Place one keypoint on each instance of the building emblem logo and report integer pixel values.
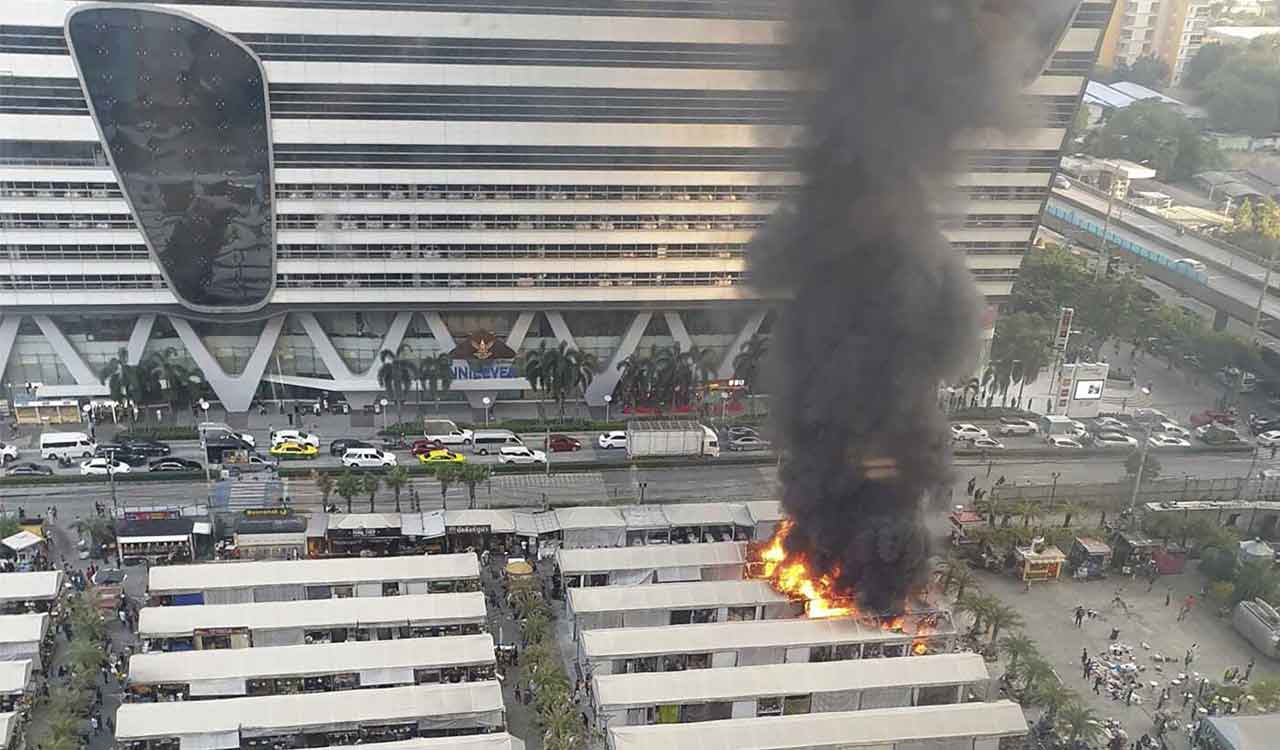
(482, 346)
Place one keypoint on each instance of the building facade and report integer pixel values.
(1170, 30)
(352, 176)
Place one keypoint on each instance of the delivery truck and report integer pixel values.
(663, 437)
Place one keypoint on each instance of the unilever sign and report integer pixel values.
(481, 356)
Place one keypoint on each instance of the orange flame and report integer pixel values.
(790, 574)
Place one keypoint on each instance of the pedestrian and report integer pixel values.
(1128, 696)
(1186, 659)
(1079, 616)
(93, 723)
(1088, 667)
(1273, 451)
(1097, 685)
(973, 482)
(1168, 596)
(1164, 696)
(1084, 656)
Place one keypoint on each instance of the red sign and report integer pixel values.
(1064, 328)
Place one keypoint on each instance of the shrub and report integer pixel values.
(160, 432)
(1218, 563)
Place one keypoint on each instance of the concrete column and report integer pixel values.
(748, 330)
(607, 380)
(83, 374)
(678, 331)
(519, 330)
(8, 336)
(440, 331)
(234, 391)
(138, 337)
(561, 329)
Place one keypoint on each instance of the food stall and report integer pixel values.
(1132, 550)
(1089, 557)
(1038, 562)
(964, 521)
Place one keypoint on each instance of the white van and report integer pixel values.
(55, 445)
(445, 431)
(367, 458)
(485, 442)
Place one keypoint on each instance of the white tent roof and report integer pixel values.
(534, 524)
(22, 540)
(672, 596)
(23, 628)
(708, 514)
(743, 683)
(25, 587)
(168, 579)
(764, 510)
(498, 521)
(589, 517)
(728, 636)
(285, 712)
(501, 741)
(639, 517)
(428, 525)
(8, 722)
(877, 728)
(14, 676)
(309, 659)
(435, 609)
(364, 520)
(601, 559)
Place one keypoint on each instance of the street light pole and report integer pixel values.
(1137, 479)
(608, 399)
(1103, 257)
(486, 401)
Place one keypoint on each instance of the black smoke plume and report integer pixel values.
(880, 309)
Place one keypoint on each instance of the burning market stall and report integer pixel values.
(676, 604)
(766, 514)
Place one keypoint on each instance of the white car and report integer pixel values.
(1269, 439)
(367, 458)
(1014, 426)
(967, 432)
(102, 466)
(988, 444)
(1114, 440)
(1062, 441)
(1173, 428)
(295, 436)
(520, 454)
(1109, 423)
(8, 452)
(1170, 441)
(612, 439)
(1078, 430)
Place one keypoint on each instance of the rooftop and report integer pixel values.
(342, 570)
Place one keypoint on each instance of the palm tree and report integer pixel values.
(396, 376)
(173, 377)
(989, 506)
(1069, 509)
(324, 482)
(370, 483)
(948, 568)
(446, 475)
(396, 479)
(1052, 695)
(977, 604)
(435, 375)
(558, 371)
(748, 361)
(1079, 723)
(1266, 694)
(473, 475)
(127, 383)
(1002, 616)
(637, 382)
(1028, 511)
(1018, 648)
(963, 578)
(348, 486)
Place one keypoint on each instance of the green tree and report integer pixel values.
(1207, 61)
(637, 382)
(1151, 467)
(473, 475)
(1028, 511)
(1148, 70)
(447, 474)
(1218, 563)
(435, 376)
(1000, 617)
(1266, 694)
(127, 383)
(396, 376)
(370, 483)
(348, 486)
(1241, 96)
(558, 371)
(1256, 580)
(172, 377)
(324, 482)
(1017, 648)
(1155, 133)
(1069, 510)
(1020, 349)
(396, 480)
(1080, 724)
(748, 361)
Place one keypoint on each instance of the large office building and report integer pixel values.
(278, 190)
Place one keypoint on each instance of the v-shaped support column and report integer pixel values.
(83, 374)
(606, 381)
(234, 391)
(8, 336)
(334, 362)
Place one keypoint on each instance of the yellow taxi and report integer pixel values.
(441, 455)
(290, 449)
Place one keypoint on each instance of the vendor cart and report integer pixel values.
(1089, 557)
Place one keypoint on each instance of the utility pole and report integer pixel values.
(1137, 479)
(1103, 255)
